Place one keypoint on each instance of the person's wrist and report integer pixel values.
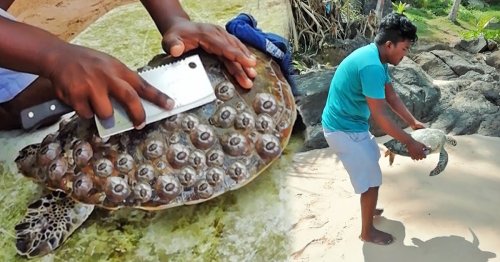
(171, 21)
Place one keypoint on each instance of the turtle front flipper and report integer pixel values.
(443, 161)
(48, 222)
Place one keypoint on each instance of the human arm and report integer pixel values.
(83, 78)
(5, 4)
(379, 112)
(397, 105)
(181, 35)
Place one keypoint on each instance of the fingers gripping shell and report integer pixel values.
(184, 159)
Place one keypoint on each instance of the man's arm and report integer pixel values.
(379, 112)
(83, 78)
(26, 48)
(165, 13)
(181, 35)
(397, 105)
(5, 4)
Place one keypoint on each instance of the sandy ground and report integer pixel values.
(451, 217)
(64, 18)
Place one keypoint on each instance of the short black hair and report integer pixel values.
(396, 28)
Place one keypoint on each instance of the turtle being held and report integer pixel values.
(185, 159)
(435, 139)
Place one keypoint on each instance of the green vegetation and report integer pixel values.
(431, 18)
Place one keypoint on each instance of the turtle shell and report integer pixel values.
(184, 159)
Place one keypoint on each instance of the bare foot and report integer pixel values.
(378, 212)
(378, 237)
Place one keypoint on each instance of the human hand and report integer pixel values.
(416, 150)
(417, 125)
(185, 35)
(85, 79)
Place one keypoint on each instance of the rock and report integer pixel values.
(493, 59)
(416, 90)
(313, 88)
(474, 46)
(492, 45)
(447, 65)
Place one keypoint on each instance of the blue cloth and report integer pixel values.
(359, 75)
(244, 27)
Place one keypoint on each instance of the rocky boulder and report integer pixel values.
(447, 89)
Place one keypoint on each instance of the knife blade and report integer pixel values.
(184, 80)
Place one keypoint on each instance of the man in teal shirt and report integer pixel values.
(361, 86)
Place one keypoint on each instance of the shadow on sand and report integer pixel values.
(438, 249)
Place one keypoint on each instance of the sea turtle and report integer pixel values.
(435, 139)
(185, 159)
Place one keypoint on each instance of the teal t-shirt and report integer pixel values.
(361, 74)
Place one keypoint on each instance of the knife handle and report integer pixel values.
(32, 116)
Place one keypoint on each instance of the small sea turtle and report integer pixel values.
(433, 138)
(185, 159)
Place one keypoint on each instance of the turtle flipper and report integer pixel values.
(391, 156)
(49, 221)
(451, 141)
(443, 161)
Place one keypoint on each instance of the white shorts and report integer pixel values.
(359, 153)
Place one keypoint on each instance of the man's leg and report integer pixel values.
(368, 232)
(36, 93)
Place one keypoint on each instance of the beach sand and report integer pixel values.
(451, 217)
(64, 18)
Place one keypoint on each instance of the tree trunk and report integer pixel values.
(379, 10)
(454, 11)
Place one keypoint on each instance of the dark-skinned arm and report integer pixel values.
(398, 107)
(83, 78)
(5, 4)
(180, 35)
(379, 111)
